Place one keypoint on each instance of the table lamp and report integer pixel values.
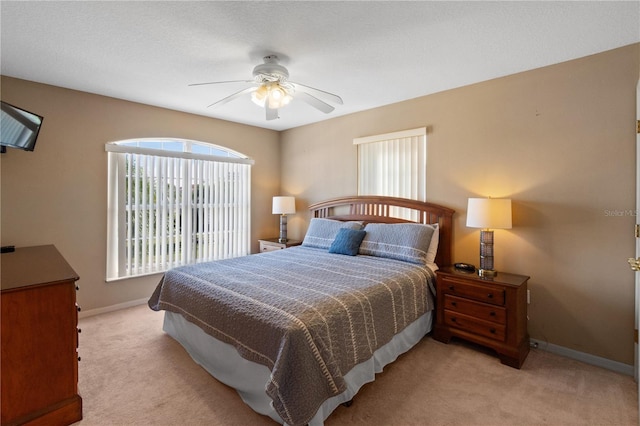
(283, 206)
(488, 214)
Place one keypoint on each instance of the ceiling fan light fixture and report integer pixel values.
(260, 95)
(272, 94)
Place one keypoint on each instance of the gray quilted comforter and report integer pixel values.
(308, 315)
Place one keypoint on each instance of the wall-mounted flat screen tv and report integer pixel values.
(18, 128)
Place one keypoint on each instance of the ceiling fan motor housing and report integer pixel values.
(271, 70)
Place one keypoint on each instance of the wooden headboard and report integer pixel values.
(378, 209)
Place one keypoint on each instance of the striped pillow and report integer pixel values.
(401, 241)
(322, 232)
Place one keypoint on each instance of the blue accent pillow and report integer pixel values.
(347, 241)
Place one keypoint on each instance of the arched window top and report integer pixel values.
(178, 148)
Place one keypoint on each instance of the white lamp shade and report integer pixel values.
(284, 205)
(489, 213)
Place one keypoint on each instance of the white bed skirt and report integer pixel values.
(224, 363)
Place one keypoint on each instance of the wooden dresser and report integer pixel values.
(39, 338)
(489, 311)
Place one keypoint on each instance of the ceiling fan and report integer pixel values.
(272, 90)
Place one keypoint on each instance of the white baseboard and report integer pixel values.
(616, 366)
(130, 304)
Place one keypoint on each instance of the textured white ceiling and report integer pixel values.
(369, 53)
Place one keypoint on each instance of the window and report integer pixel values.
(394, 164)
(174, 202)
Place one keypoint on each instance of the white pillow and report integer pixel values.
(433, 245)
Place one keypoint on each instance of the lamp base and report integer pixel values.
(487, 272)
(283, 229)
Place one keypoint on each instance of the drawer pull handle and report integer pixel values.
(79, 359)
(79, 330)
(492, 314)
(78, 308)
(452, 288)
(453, 320)
(492, 330)
(454, 304)
(490, 295)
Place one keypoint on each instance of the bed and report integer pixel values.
(297, 332)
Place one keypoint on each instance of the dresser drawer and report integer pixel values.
(475, 325)
(483, 293)
(479, 310)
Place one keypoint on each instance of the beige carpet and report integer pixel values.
(132, 373)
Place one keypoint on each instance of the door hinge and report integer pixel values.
(638, 126)
(637, 230)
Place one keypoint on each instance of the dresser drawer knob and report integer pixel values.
(490, 295)
(452, 288)
(79, 359)
(454, 320)
(492, 330)
(79, 330)
(78, 308)
(492, 314)
(454, 303)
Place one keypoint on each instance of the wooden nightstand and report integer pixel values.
(271, 244)
(490, 311)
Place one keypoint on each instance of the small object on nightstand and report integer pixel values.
(488, 311)
(271, 244)
(466, 267)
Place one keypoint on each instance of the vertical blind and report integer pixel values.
(393, 164)
(167, 210)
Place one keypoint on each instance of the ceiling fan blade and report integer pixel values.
(221, 82)
(232, 96)
(272, 113)
(314, 102)
(317, 93)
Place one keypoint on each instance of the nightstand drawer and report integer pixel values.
(273, 244)
(270, 247)
(475, 325)
(483, 293)
(476, 309)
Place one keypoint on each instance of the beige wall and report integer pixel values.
(559, 141)
(58, 193)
